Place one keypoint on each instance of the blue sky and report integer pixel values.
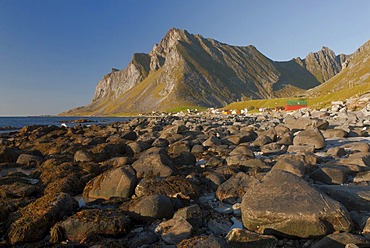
(53, 52)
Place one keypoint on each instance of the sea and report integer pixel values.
(15, 123)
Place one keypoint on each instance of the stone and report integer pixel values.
(174, 230)
(36, 218)
(196, 149)
(173, 187)
(301, 149)
(242, 150)
(339, 240)
(212, 141)
(357, 147)
(30, 160)
(203, 241)
(153, 207)
(153, 164)
(91, 222)
(83, 156)
(262, 140)
(193, 214)
(334, 133)
(329, 175)
(310, 137)
(354, 198)
(362, 177)
(336, 152)
(362, 220)
(234, 188)
(238, 237)
(359, 158)
(291, 164)
(119, 182)
(267, 211)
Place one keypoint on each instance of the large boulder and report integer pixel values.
(153, 165)
(286, 204)
(310, 137)
(119, 182)
(36, 218)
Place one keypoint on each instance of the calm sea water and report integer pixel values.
(19, 122)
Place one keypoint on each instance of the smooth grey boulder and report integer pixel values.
(310, 137)
(153, 165)
(271, 207)
(153, 207)
(119, 182)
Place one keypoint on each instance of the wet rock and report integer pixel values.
(173, 187)
(119, 182)
(29, 160)
(310, 137)
(91, 222)
(269, 211)
(340, 240)
(154, 164)
(36, 218)
(174, 230)
(238, 237)
(18, 190)
(235, 187)
(153, 207)
(203, 241)
(354, 198)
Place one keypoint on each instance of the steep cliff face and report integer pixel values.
(189, 70)
(323, 64)
(355, 72)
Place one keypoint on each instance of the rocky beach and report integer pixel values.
(279, 179)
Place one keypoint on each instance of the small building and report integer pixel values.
(295, 104)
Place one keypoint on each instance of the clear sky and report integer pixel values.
(53, 52)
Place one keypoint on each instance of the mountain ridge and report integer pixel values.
(190, 70)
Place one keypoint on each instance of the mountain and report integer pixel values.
(186, 70)
(353, 78)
